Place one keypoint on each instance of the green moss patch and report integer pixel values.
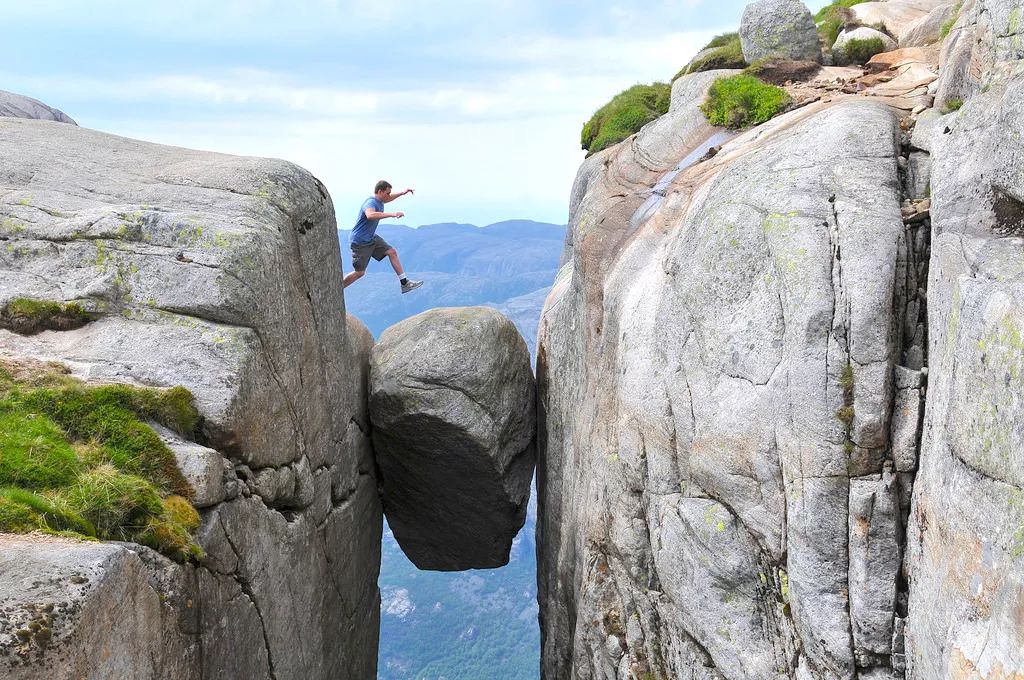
(724, 51)
(28, 316)
(743, 100)
(952, 105)
(831, 18)
(624, 115)
(860, 51)
(80, 459)
(949, 23)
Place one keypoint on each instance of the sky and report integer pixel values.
(476, 106)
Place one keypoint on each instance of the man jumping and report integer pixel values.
(366, 243)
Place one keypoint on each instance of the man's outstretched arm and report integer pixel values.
(392, 197)
(372, 214)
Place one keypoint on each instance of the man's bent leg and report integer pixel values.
(407, 284)
(396, 264)
(351, 278)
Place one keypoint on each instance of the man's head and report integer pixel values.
(382, 189)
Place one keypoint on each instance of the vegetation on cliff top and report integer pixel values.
(624, 115)
(724, 51)
(28, 315)
(79, 460)
(742, 100)
(830, 19)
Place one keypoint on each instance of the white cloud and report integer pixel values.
(488, 129)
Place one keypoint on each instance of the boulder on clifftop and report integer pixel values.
(19, 106)
(782, 29)
(453, 412)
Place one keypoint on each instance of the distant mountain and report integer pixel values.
(461, 265)
(479, 624)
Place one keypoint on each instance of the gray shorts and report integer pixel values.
(361, 252)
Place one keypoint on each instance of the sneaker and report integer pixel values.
(411, 285)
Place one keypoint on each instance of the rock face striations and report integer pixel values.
(221, 274)
(733, 369)
(452, 406)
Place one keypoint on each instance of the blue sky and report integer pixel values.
(478, 106)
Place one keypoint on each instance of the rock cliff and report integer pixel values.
(735, 361)
(223, 275)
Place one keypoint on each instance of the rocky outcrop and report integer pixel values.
(71, 609)
(967, 526)
(927, 30)
(986, 38)
(19, 106)
(452, 406)
(779, 384)
(715, 376)
(895, 17)
(780, 29)
(221, 274)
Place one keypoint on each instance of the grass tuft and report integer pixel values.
(845, 415)
(35, 453)
(79, 459)
(624, 115)
(952, 105)
(860, 51)
(743, 100)
(28, 316)
(726, 52)
(831, 18)
(22, 510)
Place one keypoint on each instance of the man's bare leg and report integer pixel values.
(396, 264)
(351, 278)
(407, 284)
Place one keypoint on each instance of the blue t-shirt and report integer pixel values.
(365, 228)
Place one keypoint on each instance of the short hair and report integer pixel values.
(381, 186)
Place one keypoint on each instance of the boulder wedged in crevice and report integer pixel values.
(453, 413)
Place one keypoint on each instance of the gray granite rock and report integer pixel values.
(782, 29)
(75, 609)
(895, 17)
(19, 106)
(986, 39)
(210, 475)
(695, 474)
(875, 559)
(919, 177)
(222, 274)
(929, 123)
(965, 538)
(906, 428)
(928, 29)
(454, 421)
